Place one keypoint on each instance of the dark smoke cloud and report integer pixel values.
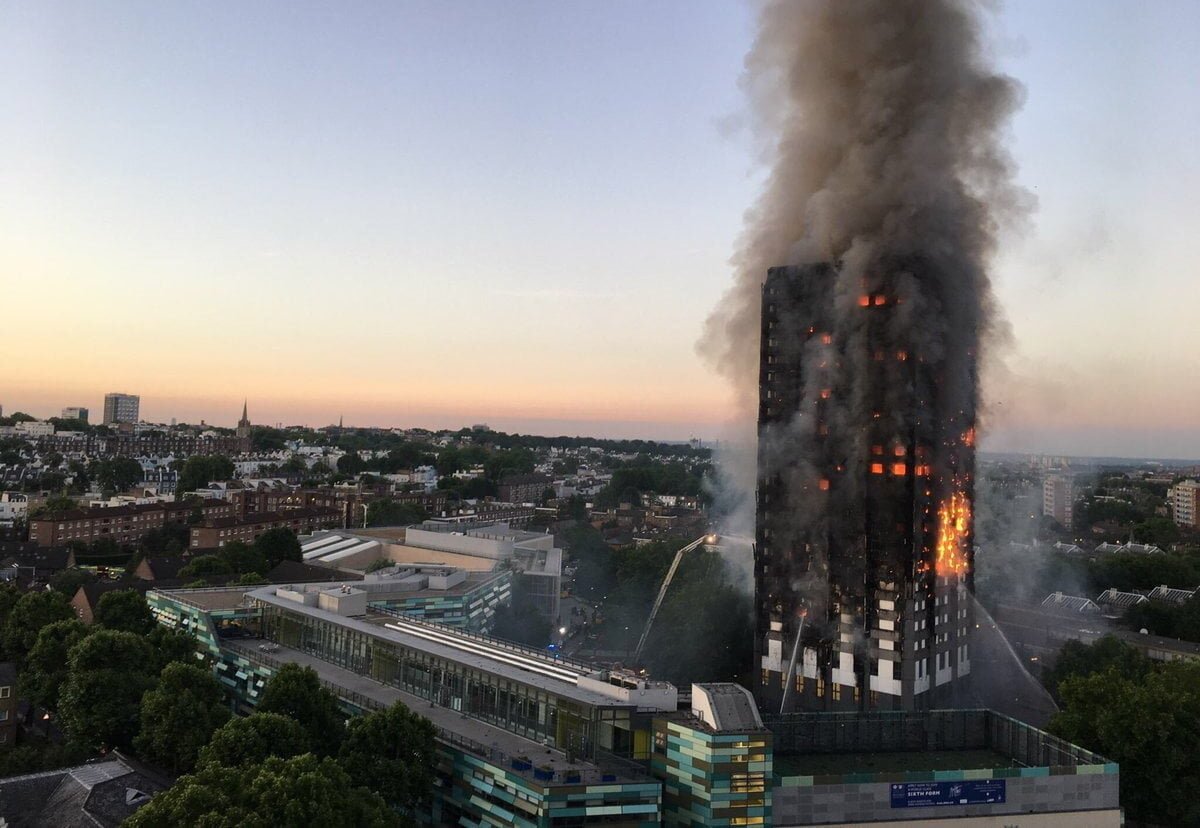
(881, 124)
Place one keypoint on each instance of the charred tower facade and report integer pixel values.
(863, 553)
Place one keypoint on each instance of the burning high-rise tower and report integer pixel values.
(863, 541)
(881, 122)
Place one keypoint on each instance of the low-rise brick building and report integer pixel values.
(123, 524)
(213, 534)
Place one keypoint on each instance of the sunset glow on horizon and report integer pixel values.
(396, 215)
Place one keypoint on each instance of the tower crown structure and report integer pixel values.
(863, 548)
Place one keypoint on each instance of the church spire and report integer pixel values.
(243, 426)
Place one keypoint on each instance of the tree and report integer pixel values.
(242, 558)
(294, 465)
(170, 646)
(206, 566)
(278, 544)
(179, 716)
(107, 673)
(577, 508)
(52, 481)
(117, 474)
(53, 507)
(46, 666)
(351, 464)
(1077, 659)
(1161, 531)
(448, 462)
(9, 596)
(1151, 726)
(385, 512)
(69, 581)
(199, 470)
(392, 752)
(171, 538)
(250, 741)
(302, 790)
(478, 487)
(265, 439)
(33, 611)
(105, 548)
(124, 609)
(516, 461)
(70, 424)
(80, 479)
(297, 692)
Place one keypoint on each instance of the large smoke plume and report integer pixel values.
(881, 125)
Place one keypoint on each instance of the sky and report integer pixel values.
(442, 213)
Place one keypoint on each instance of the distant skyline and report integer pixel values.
(434, 214)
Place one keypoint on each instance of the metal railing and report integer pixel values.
(931, 730)
(608, 769)
(174, 595)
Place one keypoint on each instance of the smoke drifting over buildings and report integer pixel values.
(888, 184)
(881, 124)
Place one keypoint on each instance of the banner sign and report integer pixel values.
(969, 792)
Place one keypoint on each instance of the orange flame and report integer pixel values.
(954, 523)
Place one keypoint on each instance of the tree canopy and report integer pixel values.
(302, 790)
(68, 581)
(392, 752)
(31, 612)
(278, 544)
(116, 474)
(251, 740)
(107, 673)
(297, 692)
(179, 716)
(124, 609)
(386, 512)
(201, 469)
(46, 665)
(1150, 724)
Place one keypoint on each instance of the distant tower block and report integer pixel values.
(863, 541)
(121, 408)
